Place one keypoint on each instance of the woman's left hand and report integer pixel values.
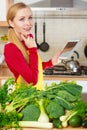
(55, 59)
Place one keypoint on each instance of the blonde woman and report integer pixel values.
(21, 53)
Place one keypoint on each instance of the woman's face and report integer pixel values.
(23, 23)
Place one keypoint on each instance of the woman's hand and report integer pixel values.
(55, 59)
(29, 41)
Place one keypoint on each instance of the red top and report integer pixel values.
(18, 65)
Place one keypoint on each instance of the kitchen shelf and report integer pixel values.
(3, 24)
(1, 41)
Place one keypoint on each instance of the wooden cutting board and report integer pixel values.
(68, 128)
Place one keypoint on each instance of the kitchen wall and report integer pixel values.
(58, 32)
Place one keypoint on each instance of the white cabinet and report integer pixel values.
(4, 5)
(3, 10)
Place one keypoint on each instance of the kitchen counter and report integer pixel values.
(50, 78)
(5, 73)
(65, 77)
(68, 128)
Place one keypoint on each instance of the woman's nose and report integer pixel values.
(29, 22)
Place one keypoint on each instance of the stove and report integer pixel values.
(61, 70)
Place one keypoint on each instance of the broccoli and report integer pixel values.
(31, 112)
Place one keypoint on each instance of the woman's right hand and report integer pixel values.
(29, 41)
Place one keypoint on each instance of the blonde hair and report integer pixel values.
(12, 37)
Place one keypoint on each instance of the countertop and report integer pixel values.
(65, 77)
(68, 128)
(6, 73)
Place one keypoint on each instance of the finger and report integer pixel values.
(59, 52)
(23, 37)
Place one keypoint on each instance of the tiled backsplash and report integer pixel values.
(58, 33)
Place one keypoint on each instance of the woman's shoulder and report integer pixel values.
(11, 48)
(10, 45)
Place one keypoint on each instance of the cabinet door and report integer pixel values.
(3, 10)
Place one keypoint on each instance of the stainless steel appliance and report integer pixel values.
(73, 60)
(77, 49)
(62, 70)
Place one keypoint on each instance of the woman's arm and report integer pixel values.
(47, 64)
(18, 65)
(52, 62)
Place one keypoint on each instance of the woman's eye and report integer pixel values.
(21, 19)
(30, 18)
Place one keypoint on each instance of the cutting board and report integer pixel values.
(68, 128)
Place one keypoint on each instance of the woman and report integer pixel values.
(21, 54)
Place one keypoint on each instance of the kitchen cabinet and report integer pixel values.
(3, 9)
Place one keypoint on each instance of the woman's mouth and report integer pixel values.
(27, 29)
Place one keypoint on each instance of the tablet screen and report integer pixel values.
(67, 49)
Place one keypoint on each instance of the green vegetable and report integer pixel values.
(20, 97)
(21, 106)
(67, 96)
(9, 119)
(57, 123)
(20, 116)
(80, 108)
(74, 89)
(31, 112)
(35, 124)
(3, 98)
(84, 123)
(54, 110)
(64, 103)
(43, 115)
(75, 121)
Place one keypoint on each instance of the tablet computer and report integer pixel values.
(68, 50)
